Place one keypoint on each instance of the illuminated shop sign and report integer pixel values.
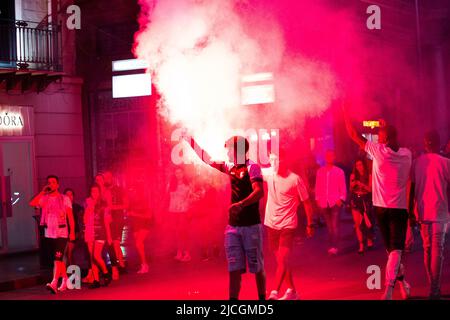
(16, 121)
(257, 88)
(11, 120)
(130, 78)
(371, 124)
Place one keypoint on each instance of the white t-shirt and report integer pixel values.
(330, 186)
(179, 198)
(284, 196)
(54, 215)
(390, 175)
(431, 175)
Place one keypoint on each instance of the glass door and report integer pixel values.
(18, 227)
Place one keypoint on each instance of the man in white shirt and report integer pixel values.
(57, 219)
(390, 175)
(431, 177)
(331, 193)
(285, 191)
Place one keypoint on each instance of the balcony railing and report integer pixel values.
(26, 45)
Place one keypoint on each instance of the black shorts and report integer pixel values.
(57, 247)
(280, 238)
(117, 225)
(362, 203)
(393, 224)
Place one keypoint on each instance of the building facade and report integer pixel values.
(41, 131)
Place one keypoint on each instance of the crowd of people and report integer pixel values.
(95, 228)
(393, 193)
(389, 191)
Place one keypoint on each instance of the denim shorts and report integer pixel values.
(243, 246)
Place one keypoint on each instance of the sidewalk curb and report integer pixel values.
(23, 283)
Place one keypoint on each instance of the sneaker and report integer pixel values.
(273, 295)
(405, 289)
(333, 251)
(290, 295)
(52, 287)
(143, 269)
(94, 285)
(63, 286)
(115, 273)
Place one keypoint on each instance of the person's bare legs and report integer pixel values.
(95, 273)
(98, 247)
(289, 279)
(392, 269)
(70, 247)
(260, 278)
(63, 272)
(357, 219)
(56, 272)
(90, 276)
(283, 270)
(140, 237)
(119, 253)
(234, 284)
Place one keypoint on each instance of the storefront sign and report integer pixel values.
(15, 121)
(11, 121)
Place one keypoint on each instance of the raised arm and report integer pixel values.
(353, 134)
(202, 154)
(37, 198)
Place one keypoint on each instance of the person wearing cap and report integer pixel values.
(243, 234)
(430, 180)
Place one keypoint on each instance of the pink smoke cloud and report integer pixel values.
(198, 52)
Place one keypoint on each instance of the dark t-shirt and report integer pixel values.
(241, 178)
(78, 212)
